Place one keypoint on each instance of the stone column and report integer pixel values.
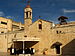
(9, 25)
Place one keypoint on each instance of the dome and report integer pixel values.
(28, 6)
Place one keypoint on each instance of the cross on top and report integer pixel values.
(28, 2)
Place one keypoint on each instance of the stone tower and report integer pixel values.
(27, 17)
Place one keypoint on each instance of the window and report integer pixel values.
(15, 26)
(57, 32)
(3, 23)
(40, 25)
(26, 14)
(2, 32)
(30, 13)
(25, 36)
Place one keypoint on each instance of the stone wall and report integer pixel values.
(64, 34)
(48, 36)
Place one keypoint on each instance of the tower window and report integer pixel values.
(27, 14)
(30, 13)
(60, 32)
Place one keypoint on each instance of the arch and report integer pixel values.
(57, 45)
(40, 22)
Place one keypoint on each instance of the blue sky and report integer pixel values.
(47, 9)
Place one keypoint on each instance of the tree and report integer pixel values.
(62, 20)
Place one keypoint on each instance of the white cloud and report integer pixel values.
(10, 17)
(68, 11)
(1, 13)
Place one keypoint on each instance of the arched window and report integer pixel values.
(26, 14)
(40, 25)
(30, 13)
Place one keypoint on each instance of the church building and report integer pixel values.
(40, 37)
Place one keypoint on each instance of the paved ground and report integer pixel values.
(5, 54)
(40, 55)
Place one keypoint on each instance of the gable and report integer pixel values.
(40, 25)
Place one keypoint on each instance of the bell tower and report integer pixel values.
(27, 16)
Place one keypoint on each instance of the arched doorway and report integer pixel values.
(57, 45)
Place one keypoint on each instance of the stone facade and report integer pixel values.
(40, 35)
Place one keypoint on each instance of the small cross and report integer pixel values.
(28, 2)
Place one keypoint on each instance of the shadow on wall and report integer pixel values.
(69, 49)
(29, 44)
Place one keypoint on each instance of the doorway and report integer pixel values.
(19, 47)
(57, 47)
